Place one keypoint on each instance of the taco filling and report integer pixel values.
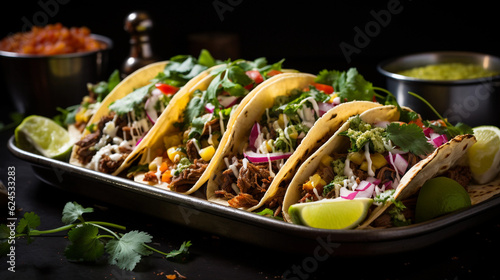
(189, 149)
(378, 157)
(271, 142)
(115, 136)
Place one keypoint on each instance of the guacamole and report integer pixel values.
(449, 72)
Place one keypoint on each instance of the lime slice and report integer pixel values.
(43, 135)
(331, 213)
(484, 155)
(439, 196)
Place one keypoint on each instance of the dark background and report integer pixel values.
(308, 34)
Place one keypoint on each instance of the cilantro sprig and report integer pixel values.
(350, 85)
(91, 240)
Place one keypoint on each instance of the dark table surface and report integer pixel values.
(469, 254)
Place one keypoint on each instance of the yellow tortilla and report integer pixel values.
(436, 163)
(137, 79)
(322, 130)
(167, 123)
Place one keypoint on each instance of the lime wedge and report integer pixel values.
(439, 196)
(484, 155)
(331, 213)
(43, 135)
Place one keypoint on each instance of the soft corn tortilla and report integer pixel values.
(175, 115)
(438, 162)
(137, 79)
(322, 130)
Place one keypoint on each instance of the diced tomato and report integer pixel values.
(255, 76)
(324, 88)
(273, 73)
(163, 166)
(166, 88)
(166, 176)
(418, 122)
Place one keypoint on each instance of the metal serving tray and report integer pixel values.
(196, 212)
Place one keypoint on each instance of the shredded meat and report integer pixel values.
(243, 200)
(107, 165)
(150, 177)
(361, 174)
(386, 174)
(252, 183)
(211, 126)
(86, 150)
(191, 150)
(189, 176)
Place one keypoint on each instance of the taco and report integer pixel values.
(181, 153)
(282, 125)
(130, 110)
(76, 117)
(386, 154)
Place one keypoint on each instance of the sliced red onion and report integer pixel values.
(336, 100)
(256, 157)
(324, 107)
(428, 131)
(398, 162)
(227, 101)
(388, 185)
(254, 135)
(209, 107)
(149, 107)
(373, 180)
(382, 124)
(348, 194)
(365, 189)
(437, 139)
(138, 141)
(156, 91)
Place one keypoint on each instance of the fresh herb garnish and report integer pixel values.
(409, 138)
(451, 130)
(350, 85)
(131, 101)
(267, 212)
(90, 240)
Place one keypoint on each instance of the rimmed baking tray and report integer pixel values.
(196, 212)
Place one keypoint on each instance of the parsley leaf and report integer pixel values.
(73, 211)
(85, 244)
(352, 86)
(124, 250)
(409, 138)
(131, 101)
(28, 223)
(127, 251)
(181, 253)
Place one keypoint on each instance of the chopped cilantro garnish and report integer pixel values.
(409, 138)
(89, 241)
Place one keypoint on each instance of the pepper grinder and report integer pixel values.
(138, 24)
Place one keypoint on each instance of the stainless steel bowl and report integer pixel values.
(38, 84)
(472, 101)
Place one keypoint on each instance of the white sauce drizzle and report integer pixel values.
(369, 160)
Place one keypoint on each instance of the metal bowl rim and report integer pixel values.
(104, 39)
(380, 68)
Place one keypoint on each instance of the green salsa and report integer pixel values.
(449, 71)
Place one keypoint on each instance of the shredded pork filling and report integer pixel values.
(244, 186)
